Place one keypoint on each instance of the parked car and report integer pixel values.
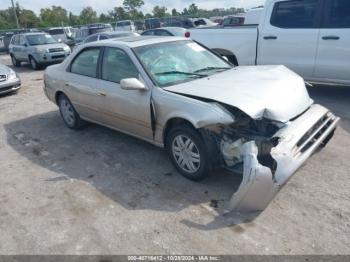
(9, 80)
(106, 35)
(175, 21)
(152, 23)
(37, 49)
(310, 37)
(167, 31)
(83, 32)
(126, 25)
(203, 22)
(62, 34)
(177, 94)
(232, 20)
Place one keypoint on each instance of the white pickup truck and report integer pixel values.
(311, 37)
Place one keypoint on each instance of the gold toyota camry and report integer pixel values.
(178, 94)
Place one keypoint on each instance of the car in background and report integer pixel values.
(232, 20)
(106, 35)
(37, 49)
(81, 33)
(152, 23)
(203, 22)
(62, 34)
(126, 25)
(176, 21)
(9, 80)
(167, 31)
(207, 114)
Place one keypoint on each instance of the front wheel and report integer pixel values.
(188, 153)
(70, 117)
(34, 64)
(15, 62)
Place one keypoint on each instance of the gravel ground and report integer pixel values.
(97, 191)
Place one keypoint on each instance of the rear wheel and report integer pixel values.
(188, 152)
(70, 117)
(15, 62)
(34, 64)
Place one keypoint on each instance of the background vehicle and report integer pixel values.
(203, 22)
(126, 25)
(311, 37)
(9, 80)
(232, 20)
(108, 35)
(62, 34)
(166, 31)
(83, 32)
(151, 23)
(37, 49)
(176, 21)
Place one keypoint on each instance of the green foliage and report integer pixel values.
(54, 16)
(88, 15)
(160, 11)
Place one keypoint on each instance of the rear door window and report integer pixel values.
(338, 14)
(86, 62)
(296, 14)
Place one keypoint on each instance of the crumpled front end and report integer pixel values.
(269, 162)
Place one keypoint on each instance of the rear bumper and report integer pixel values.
(297, 142)
(10, 86)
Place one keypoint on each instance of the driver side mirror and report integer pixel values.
(132, 84)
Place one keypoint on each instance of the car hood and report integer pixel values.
(272, 92)
(4, 70)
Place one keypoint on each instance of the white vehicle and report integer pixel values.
(252, 17)
(311, 37)
(126, 25)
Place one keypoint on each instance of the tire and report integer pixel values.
(190, 157)
(33, 63)
(69, 115)
(15, 62)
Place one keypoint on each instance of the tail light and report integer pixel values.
(187, 34)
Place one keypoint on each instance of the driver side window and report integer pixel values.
(117, 65)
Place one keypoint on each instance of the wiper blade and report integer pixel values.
(180, 73)
(211, 68)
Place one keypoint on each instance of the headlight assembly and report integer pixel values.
(12, 75)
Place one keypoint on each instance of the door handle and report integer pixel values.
(102, 94)
(270, 37)
(331, 37)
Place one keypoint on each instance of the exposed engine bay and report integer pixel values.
(264, 151)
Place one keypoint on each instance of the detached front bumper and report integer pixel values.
(297, 142)
(10, 86)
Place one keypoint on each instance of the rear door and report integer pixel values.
(333, 56)
(290, 36)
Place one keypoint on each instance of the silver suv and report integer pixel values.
(37, 49)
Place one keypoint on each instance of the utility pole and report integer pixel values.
(15, 14)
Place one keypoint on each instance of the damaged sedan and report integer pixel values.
(208, 114)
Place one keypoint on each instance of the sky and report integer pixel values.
(100, 6)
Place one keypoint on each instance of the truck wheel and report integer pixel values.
(70, 117)
(15, 62)
(34, 64)
(188, 152)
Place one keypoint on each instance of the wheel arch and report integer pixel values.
(173, 122)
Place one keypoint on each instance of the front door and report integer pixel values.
(125, 110)
(290, 37)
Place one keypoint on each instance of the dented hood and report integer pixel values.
(272, 92)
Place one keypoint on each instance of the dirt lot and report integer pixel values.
(97, 191)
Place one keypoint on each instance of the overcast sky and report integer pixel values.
(75, 6)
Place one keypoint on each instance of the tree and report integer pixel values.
(73, 19)
(193, 9)
(54, 16)
(88, 15)
(118, 13)
(159, 11)
(174, 12)
(131, 6)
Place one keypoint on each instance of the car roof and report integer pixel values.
(34, 33)
(136, 41)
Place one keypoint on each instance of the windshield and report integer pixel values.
(42, 39)
(177, 62)
(127, 23)
(56, 32)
